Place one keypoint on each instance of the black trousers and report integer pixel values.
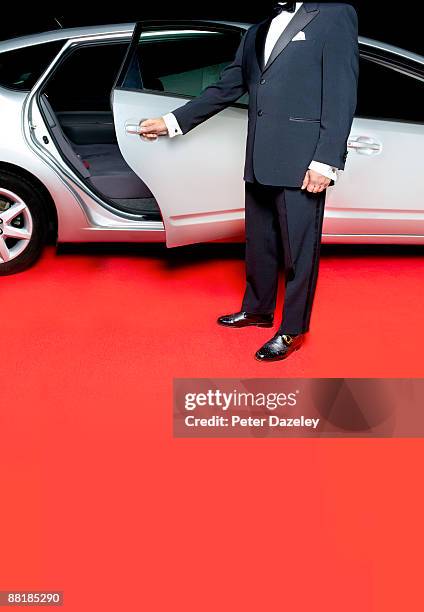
(283, 226)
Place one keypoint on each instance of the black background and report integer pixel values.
(397, 23)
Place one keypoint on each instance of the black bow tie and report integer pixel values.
(290, 7)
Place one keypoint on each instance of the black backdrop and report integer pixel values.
(399, 24)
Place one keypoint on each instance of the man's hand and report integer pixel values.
(315, 182)
(151, 129)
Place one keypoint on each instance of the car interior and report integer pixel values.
(88, 142)
(76, 105)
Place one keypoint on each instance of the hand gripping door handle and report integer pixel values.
(364, 145)
(132, 128)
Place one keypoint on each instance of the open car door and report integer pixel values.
(197, 179)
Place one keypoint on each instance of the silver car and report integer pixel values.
(74, 169)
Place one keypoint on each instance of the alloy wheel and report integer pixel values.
(16, 226)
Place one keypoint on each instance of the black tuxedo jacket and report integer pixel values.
(301, 103)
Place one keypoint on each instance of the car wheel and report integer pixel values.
(23, 224)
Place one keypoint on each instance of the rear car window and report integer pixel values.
(20, 69)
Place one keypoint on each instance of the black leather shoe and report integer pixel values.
(279, 347)
(245, 319)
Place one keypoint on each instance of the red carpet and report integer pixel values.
(99, 501)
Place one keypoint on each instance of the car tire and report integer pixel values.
(20, 249)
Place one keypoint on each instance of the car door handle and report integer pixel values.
(133, 129)
(364, 145)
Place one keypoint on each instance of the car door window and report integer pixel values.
(386, 93)
(184, 63)
(21, 68)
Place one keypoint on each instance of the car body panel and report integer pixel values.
(16, 153)
(196, 206)
(364, 199)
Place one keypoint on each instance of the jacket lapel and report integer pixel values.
(261, 35)
(306, 13)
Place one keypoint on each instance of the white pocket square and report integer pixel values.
(299, 36)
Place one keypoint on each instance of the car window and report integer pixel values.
(185, 63)
(20, 69)
(385, 93)
(85, 78)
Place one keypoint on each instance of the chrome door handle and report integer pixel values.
(364, 145)
(132, 129)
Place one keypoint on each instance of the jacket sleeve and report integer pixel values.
(227, 90)
(340, 85)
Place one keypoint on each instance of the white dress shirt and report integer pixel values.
(278, 25)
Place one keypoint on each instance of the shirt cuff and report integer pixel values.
(172, 125)
(324, 169)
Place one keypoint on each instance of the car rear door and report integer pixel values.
(380, 191)
(197, 179)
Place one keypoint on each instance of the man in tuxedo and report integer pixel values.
(300, 68)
